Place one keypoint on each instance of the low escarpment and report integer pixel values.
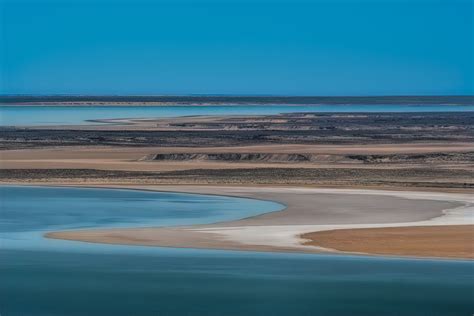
(233, 157)
(466, 157)
(463, 157)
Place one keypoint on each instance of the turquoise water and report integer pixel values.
(51, 277)
(28, 212)
(51, 115)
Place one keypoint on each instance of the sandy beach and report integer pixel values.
(310, 210)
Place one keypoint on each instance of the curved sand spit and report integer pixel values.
(308, 210)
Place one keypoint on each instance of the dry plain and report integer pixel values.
(382, 172)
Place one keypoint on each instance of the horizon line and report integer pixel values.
(233, 95)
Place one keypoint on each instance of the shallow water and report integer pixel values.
(28, 212)
(51, 277)
(52, 115)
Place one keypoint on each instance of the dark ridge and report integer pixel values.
(415, 158)
(412, 177)
(369, 128)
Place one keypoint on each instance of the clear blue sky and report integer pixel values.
(383, 47)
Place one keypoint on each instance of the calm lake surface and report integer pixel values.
(52, 277)
(52, 115)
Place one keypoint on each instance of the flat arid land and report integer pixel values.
(344, 178)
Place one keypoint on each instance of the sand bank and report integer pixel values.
(308, 210)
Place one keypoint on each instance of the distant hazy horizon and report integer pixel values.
(229, 95)
(243, 95)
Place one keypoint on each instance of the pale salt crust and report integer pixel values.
(288, 236)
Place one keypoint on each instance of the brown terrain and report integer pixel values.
(456, 241)
(422, 151)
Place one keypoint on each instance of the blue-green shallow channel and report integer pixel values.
(51, 115)
(51, 277)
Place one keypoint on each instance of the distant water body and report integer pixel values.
(52, 277)
(59, 115)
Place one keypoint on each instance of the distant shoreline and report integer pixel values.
(231, 100)
(164, 104)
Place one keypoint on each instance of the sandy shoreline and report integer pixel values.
(308, 210)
